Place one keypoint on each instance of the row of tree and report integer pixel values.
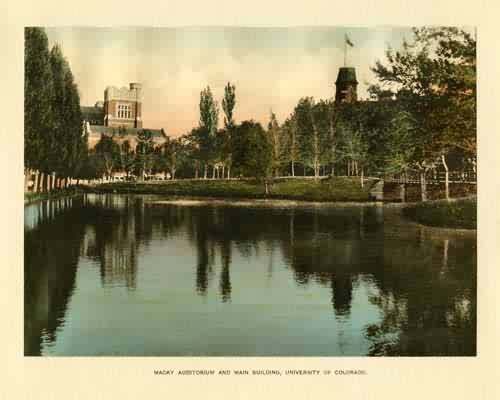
(55, 146)
(421, 116)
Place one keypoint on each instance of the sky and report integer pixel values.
(272, 68)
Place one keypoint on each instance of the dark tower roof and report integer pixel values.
(346, 75)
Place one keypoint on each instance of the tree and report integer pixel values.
(290, 148)
(144, 152)
(173, 151)
(352, 127)
(313, 123)
(434, 78)
(127, 157)
(274, 131)
(68, 129)
(109, 152)
(38, 102)
(209, 120)
(228, 103)
(252, 152)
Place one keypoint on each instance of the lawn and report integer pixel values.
(330, 189)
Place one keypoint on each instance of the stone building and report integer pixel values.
(123, 107)
(118, 116)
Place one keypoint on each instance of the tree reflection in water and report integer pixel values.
(422, 281)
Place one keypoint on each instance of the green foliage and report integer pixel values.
(275, 137)
(228, 103)
(332, 189)
(54, 138)
(38, 100)
(209, 111)
(127, 157)
(144, 152)
(434, 79)
(446, 214)
(252, 151)
(174, 154)
(108, 152)
(71, 147)
(290, 145)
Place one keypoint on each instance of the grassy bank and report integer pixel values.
(331, 189)
(454, 214)
(30, 198)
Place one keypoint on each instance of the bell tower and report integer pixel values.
(346, 85)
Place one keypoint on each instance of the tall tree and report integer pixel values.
(126, 157)
(290, 144)
(209, 120)
(38, 102)
(144, 152)
(109, 152)
(173, 151)
(252, 155)
(312, 128)
(434, 77)
(274, 131)
(68, 129)
(228, 104)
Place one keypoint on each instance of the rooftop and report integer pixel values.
(346, 75)
(111, 130)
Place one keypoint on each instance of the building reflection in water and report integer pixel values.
(427, 306)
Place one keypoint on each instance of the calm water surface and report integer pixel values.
(123, 275)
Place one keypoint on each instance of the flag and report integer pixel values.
(348, 41)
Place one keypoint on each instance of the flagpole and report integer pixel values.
(345, 51)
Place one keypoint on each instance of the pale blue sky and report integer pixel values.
(272, 68)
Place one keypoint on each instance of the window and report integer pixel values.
(124, 111)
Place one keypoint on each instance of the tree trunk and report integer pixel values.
(266, 186)
(173, 174)
(205, 171)
(293, 168)
(26, 179)
(423, 185)
(445, 254)
(446, 178)
(229, 172)
(196, 173)
(40, 183)
(223, 171)
(36, 181)
(362, 178)
(213, 172)
(53, 181)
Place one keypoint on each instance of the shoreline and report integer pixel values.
(56, 194)
(438, 214)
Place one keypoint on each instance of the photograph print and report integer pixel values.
(243, 191)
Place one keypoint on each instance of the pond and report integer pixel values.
(118, 275)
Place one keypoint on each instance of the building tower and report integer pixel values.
(123, 107)
(346, 85)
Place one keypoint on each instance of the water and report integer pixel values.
(131, 276)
